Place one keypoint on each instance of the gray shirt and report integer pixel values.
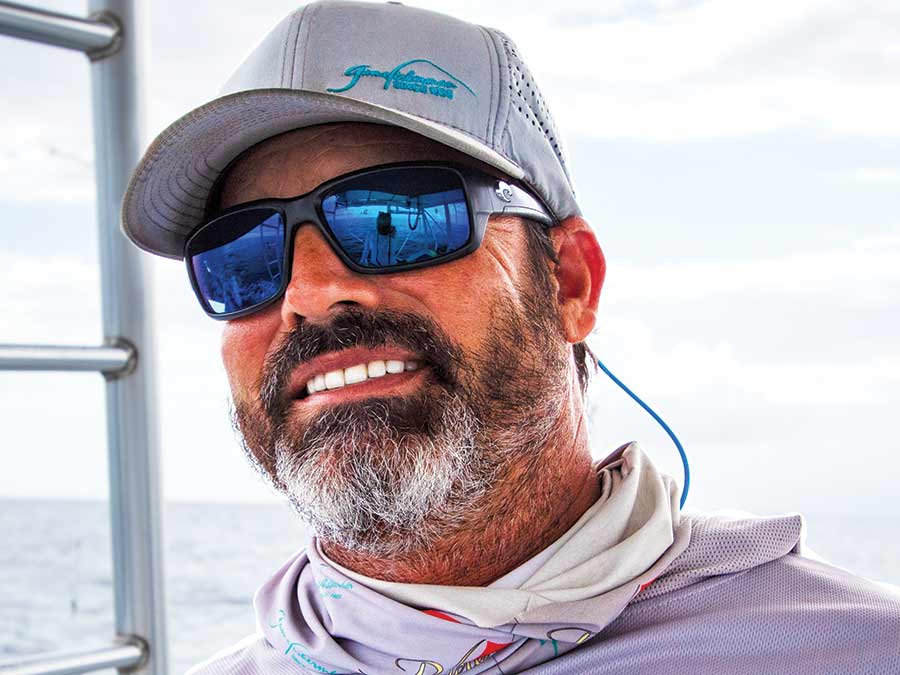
(739, 599)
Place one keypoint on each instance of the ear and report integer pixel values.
(580, 275)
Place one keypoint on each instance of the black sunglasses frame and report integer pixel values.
(485, 195)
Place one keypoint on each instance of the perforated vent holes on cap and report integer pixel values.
(526, 100)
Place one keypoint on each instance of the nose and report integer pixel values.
(320, 282)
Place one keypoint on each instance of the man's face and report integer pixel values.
(391, 464)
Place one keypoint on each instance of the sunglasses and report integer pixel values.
(381, 220)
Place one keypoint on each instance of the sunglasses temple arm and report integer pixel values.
(532, 214)
(512, 200)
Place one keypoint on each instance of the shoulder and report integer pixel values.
(250, 656)
(852, 609)
(791, 588)
(743, 596)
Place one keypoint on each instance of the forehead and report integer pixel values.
(295, 162)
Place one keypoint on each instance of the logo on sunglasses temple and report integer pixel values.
(504, 191)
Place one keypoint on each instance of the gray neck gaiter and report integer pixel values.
(329, 619)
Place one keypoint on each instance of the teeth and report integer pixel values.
(334, 379)
(355, 374)
(358, 373)
(376, 368)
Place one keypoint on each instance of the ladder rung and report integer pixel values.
(45, 357)
(121, 655)
(54, 28)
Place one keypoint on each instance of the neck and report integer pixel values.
(529, 509)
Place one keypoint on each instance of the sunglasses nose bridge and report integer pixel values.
(298, 214)
(319, 280)
(301, 212)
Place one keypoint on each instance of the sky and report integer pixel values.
(739, 162)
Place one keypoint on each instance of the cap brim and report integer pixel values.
(168, 191)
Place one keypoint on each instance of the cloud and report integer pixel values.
(879, 175)
(39, 165)
(866, 271)
(691, 369)
(720, 69)
(764, 434)
(49, 299)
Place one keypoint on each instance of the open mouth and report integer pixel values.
(374, 376)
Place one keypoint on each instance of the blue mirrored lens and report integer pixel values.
(238, 259)
(399, 216)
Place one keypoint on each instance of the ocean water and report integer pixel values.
(56, 581)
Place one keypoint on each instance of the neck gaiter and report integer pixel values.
(329, 619)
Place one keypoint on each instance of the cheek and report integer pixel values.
(244, 346)
(457, 296)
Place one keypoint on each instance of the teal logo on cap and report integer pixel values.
(409, 80)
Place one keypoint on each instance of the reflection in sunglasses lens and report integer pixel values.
(247, 270)
(399, 216)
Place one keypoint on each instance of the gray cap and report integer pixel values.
(458, 83)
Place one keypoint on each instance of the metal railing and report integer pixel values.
(110, 38)
(127, 654)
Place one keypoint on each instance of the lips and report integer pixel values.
(344, 359)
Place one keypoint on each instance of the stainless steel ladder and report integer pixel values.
(111, 38)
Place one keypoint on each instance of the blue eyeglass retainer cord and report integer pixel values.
(684, 459)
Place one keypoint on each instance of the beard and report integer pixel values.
(391, 475)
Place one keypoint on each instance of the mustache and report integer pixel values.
(358, 327)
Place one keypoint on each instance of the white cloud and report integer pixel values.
(28, 274)
(36, 164)
(718, 69)
(880, 175)
(867, 271)
(695, 368)
(766, 434)
(49, 299)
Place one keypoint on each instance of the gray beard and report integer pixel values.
(387, 477)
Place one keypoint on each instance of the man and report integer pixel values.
(379, 207)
